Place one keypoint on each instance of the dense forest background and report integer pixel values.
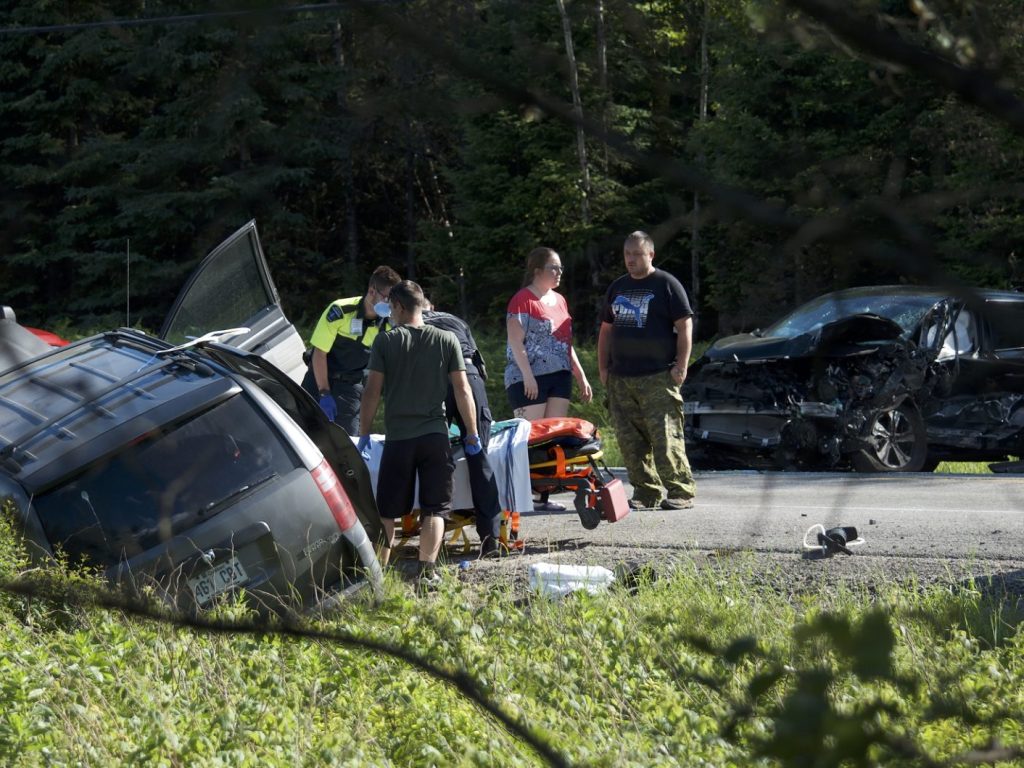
(771, 158)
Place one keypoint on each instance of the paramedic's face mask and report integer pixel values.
(382, 308)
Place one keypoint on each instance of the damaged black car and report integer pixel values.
(877, 379)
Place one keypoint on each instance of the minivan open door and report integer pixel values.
(232, 288)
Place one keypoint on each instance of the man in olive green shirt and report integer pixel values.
(411, 365)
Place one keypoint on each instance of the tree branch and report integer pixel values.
(975, 86)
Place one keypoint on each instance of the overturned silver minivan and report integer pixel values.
(193, 462)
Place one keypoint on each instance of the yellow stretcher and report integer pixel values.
(565, 455)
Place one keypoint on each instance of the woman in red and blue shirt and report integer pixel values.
(541, 359)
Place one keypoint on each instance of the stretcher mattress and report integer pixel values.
(509, 457)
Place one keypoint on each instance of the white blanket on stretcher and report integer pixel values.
(509, 457)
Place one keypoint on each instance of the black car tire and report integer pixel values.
(898, 442)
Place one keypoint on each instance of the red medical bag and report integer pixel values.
(612, 498)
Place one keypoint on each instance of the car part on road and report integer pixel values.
(832, 540)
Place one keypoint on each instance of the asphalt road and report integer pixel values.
(926, 526)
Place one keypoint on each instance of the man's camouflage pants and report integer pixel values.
(647, 413)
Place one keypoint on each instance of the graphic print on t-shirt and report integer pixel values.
(545, 347)
(630, 308)
(547, 329)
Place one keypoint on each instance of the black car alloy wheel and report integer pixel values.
(896, 442)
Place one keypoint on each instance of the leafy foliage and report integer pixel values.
(126, 153)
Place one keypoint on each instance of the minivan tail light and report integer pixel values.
(335, 496)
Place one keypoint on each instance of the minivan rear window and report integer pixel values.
(164, 484)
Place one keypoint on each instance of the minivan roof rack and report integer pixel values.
(10, 450)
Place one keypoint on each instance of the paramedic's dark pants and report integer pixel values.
(481, 477)
(347, 395)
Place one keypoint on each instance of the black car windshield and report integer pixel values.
(906, 311)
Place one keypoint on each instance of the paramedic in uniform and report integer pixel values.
(341, 345)
(482, 485)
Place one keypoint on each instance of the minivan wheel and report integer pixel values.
(896, 442)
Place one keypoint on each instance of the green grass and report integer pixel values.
(703, 667)
(968, 467)
(964, 468)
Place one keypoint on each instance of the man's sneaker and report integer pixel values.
(429, 578)
(637, 504)
(677, 504)
(491, 549)
(548, 506)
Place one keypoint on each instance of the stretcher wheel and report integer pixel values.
(590, 516)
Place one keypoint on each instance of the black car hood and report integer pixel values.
(834, 339)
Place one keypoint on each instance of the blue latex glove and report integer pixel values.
(329, 406)
(363, 446)
(472, 445)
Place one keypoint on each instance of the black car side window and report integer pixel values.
(1006, 326)
(164, 484)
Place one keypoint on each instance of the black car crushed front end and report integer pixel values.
(818, 400)
(879, 378)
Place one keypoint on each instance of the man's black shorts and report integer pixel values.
(557, 384)
(428, 457)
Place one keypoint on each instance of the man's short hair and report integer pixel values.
(408, 295)
(642, 239)
(384, 278)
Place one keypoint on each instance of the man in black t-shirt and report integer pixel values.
(643, 351)
(482, 484)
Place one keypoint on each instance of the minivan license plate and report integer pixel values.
(220, 578)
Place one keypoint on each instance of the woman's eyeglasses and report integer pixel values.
(554, 268)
